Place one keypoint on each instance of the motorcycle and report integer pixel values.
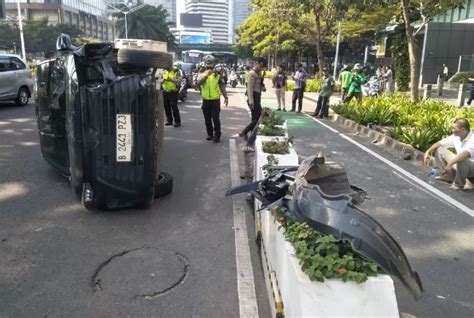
(183, 90)
(372, 88)
(233, 80)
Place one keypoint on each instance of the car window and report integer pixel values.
(56, 77)
(17, 63)
(5, 64)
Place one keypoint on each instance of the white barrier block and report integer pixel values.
(332, 298)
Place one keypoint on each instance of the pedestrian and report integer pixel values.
(255, 87)
(456, 167)
(327, 88)
(300, 85)
(380, 71)
(388, 80)
(171, 80)
(445, 72)
(344, 79)
(471, 94)
(212, 86)
(279, 83)
(356, 80)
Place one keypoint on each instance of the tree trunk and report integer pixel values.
(319, 47)
(411, 50)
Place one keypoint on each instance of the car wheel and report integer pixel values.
(163, 185)
(145, 58)
(22, 97)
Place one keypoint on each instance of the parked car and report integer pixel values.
(101, 122)
(16, 83)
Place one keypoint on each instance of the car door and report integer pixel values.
(51, 112)
(5, 77)
(22, 74)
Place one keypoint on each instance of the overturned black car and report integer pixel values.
(100, 122)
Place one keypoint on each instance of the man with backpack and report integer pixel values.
(327, 87)
(279, 83)
(344, 79)
(300, 85)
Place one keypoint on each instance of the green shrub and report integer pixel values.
(276, 147)
(322, 256)
(312, 85)
(271, 131)
(462, 77)
(418, 124)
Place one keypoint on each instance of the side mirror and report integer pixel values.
(64, 43)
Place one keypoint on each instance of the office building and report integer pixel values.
(90, 16)
(215, 18)
(169, 5)
(241, 10)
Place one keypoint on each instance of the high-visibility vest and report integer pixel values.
(169, 86)
(210, 89)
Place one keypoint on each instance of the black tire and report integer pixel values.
(145, 58)
(22, 97)
(163, 185)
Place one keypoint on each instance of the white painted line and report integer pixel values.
(438, 194)
(245, 282)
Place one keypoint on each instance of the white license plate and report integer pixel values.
(124, 138)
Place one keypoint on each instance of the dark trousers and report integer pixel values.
(298, 94)
(211, 109)
(344, 92)
(349, 97)
(170, 100)
(322, 106)
(256, 112)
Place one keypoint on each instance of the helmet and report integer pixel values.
(357, 67)
(177, 65)
(209, 59)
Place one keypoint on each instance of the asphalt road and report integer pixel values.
(176, 259)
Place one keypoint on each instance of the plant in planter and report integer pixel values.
(321, 256)
(276, 147)
(271, 131)
(271, 119)
(268, 168)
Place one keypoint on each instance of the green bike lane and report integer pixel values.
(435, 235)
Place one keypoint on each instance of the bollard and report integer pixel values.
(440, 85)
(461, 95)
(427, 91)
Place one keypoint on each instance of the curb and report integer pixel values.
(380, 138)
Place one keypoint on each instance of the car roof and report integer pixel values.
(11, 55)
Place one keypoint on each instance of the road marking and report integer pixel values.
(438, 194)
(245, 282)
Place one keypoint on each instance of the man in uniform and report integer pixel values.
(255, 87)
(212, 86)
(171, 79)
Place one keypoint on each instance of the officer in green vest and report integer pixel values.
(171, 79)
(212, 86)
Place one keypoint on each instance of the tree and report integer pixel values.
(420, 11)
(148, 22)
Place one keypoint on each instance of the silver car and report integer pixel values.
(15, 80)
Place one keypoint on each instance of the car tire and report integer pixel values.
(145, 58)
(163, 185)
(22, 97)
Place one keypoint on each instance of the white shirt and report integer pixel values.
(466, 145)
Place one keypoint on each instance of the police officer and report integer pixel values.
(212, 86)
(171, 79)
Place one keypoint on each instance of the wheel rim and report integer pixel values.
(23, 97)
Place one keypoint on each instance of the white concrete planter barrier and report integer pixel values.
(301, 297)
(290, 159)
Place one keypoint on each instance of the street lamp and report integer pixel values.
(125, 13)
(20, 25)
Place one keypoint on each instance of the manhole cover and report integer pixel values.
(143, 272)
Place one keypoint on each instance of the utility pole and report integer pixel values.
(20, 25)
(338, 40)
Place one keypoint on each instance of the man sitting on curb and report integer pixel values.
(456, 168)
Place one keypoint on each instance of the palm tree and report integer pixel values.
(147, 23)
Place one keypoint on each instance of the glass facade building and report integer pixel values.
(90, 16)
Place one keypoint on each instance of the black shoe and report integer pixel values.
(216, 139)
(292, 110)
(169, 124)
(210, 137)
(177, 125)
(314, 115)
